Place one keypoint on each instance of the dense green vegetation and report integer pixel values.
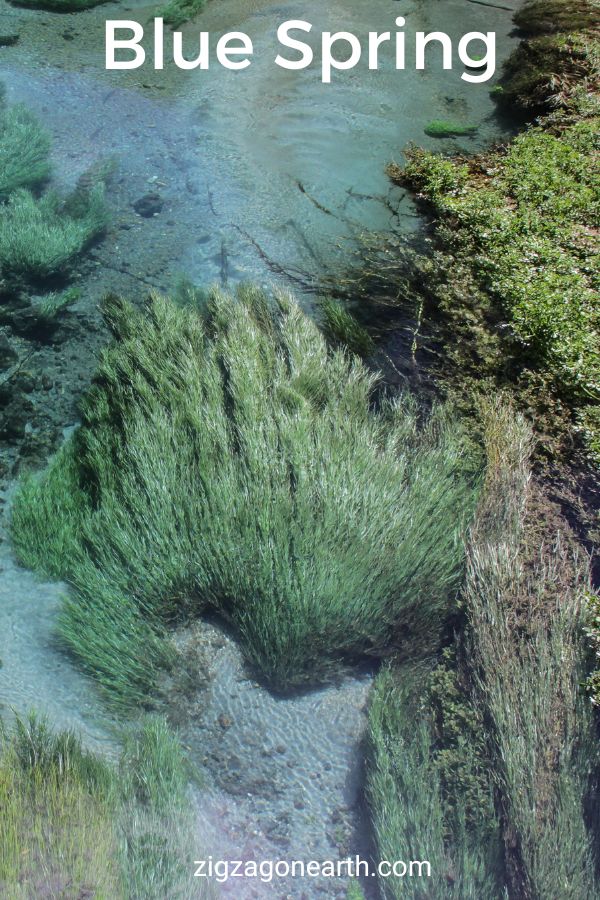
(557, 66)
(529, 229)
(39, 239)
(412, 818)
(24, 149)
(73, 825)
(40, 236)
(523, 656)
(517, 229)
(233, 460)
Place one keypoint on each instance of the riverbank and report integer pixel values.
(510, 288)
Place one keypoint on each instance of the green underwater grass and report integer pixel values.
(233, 461)
(24, 150)
(38, 238)
(75, 825)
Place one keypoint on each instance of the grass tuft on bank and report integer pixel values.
(231, 460)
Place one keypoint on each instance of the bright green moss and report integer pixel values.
(234, 461)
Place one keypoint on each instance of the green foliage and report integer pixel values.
(156, 818)
(558, 66)
(441, 129)
(407, 806)
(524, 614)
(354, 891)
(236, 462)
(51, 305)
(38, 239)
(550, 16)
(592, 631)
(58, 836)
(461, 756)
(177, 12)
(154, 767)
(58, 6)
(339, 325)
(72, 825)
(528, 233)
(24, 149)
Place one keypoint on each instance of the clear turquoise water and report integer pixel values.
(261, 172)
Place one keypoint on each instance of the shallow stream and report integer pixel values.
(257, 173)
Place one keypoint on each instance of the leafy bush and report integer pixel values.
(235, 462)
(24, 148)
(38, 239)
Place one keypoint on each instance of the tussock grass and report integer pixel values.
(57, 833)
(340, 325)
(235, 462)
(74, 826)
(525, 640)
(410, 818)
(24, 149)
(38, 239)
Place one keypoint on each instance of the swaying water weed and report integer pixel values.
(234, 461)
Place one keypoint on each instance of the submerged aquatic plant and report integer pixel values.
(38, 238)
(24, 149)
(234, 461)
(177, 12)
(73, 825)
(525, 618)
(442, 129)
(458, 859)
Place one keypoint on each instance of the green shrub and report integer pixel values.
(235, 462)
(24, 149)
(442, 129)
(38, 239)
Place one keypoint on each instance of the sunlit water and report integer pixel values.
(261, 173)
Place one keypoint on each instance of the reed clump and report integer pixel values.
(232, 460)
(74, 825)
